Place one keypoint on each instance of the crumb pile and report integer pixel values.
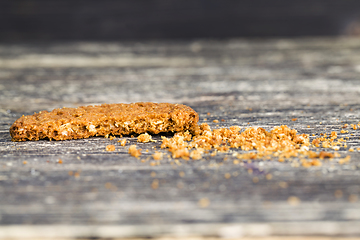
(103, 120)
(281, 142)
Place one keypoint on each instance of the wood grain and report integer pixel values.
(247, 83)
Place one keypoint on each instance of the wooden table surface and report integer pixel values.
(95, 193)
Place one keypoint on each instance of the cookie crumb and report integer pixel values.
(155, 184)
(144, 138)
(110, 148)
(122, 142)
(269, 176)
(204, 202)
(353, 198)
(196, 154)
(283, 184)
(338, 193)
(157, 155)
(134, 152)
(345, 159)
(293, 201)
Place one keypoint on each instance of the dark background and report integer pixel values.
(34, 20)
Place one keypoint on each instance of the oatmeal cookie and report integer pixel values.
(102, 120)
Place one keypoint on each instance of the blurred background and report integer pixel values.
(49, 20)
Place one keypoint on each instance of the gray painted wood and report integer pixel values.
(313, 80)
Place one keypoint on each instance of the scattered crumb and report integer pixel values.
(281, 139)
(323, 155)
(269, 176)
(338, 193)
(155, 184)
(181, 174)
(345, 159)
(204, 202)
(108, 185)
(213, 154)
(196, 154)
(227, 175)
(283, 184)
(157, 155)
(316, 162)
(122, 142)
(180, 185)
(281, 142)
(181, 153)
(353, 198)
(293, 201)
(110, 148)
(144, 138)
(134, 152)
(153, 174)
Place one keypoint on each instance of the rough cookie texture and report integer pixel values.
(105, 119)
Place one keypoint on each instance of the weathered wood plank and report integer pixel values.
(247, 83)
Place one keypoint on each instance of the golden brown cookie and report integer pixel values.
(105, 119)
